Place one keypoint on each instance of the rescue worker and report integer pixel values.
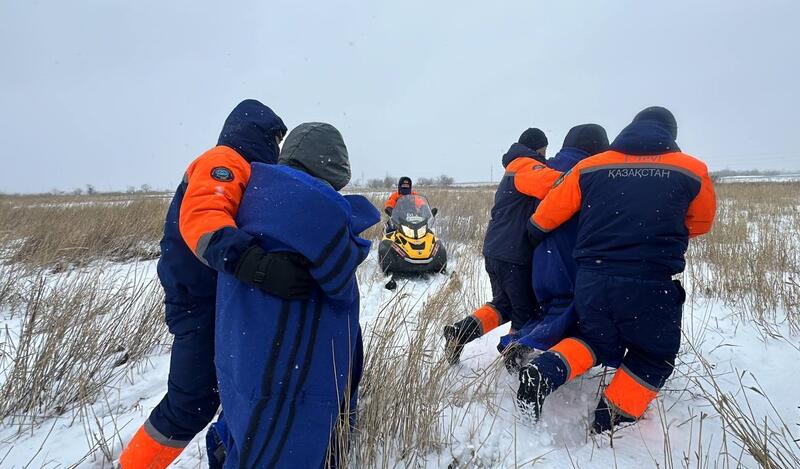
(506, 251)
(553, 265)
(201, 239)
(289, 369)
(639, 204)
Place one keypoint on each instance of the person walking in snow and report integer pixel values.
(639, 204)
(506, 250)
(201, 239)
(553, 265)
(289, 369)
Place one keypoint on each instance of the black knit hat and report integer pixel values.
(404, 185)
(590, 138)
(533, 139)
(660, 115)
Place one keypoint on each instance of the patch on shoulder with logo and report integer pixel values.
(222, 174)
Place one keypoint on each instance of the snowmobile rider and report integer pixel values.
(506, 249)
(201, 239)
(639, 204)
(553, 265)
(282, 401)
(404, 187)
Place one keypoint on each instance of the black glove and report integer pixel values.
(283, 274)
(388, 211)
(533, 240)
(516, 356)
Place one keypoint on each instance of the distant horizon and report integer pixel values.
(118, 94)
(364, 184)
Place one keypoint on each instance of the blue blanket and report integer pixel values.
(288, 369)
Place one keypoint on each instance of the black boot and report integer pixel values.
(458, 335)
(537, 380)
(533, 389)
(606, 417)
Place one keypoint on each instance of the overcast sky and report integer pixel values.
(119, 94)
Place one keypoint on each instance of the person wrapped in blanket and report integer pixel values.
(289, 370)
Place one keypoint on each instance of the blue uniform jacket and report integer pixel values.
(505, 236)
(187, 281)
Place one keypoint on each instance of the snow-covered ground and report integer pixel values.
(680, 429)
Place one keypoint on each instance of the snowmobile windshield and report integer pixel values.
(412, 211)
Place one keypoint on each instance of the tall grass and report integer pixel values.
(59, 234)
(78, 333)
(81, 328)
(751, 259)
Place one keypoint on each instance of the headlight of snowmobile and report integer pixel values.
(408, 231)
(422, 231)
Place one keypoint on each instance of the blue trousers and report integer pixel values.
(631, 320)
(192, 396)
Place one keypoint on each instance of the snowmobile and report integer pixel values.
(409, 245)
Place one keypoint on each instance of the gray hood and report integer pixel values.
(318, 149)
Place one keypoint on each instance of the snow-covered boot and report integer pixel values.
(457, 335)
(606, 417)
(537, 380)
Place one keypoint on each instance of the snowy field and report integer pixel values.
(84, 358)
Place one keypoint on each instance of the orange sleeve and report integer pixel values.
(700, 215)
(392, 201)
(215, 184)
(536, 181)
(561, 203)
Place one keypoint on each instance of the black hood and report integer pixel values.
(519, 150)
(647, 135)
(590, 138)
(251, 129)
(318, 149)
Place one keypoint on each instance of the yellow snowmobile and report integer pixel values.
(409, 245)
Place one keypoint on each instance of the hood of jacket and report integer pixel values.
(318, 149)
(566, 158)
(252, 129)
(519, 150)
(645, 137)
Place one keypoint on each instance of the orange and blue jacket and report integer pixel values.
(200, 234)
(526, 181)
(639, 204)
(391, 202)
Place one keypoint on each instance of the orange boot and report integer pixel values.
(150, 450)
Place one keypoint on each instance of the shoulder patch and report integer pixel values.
(222, 174)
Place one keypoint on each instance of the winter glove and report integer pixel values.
(533, 240)
(388, 211)
(533, 235)
(283, 274)
(515, 357)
